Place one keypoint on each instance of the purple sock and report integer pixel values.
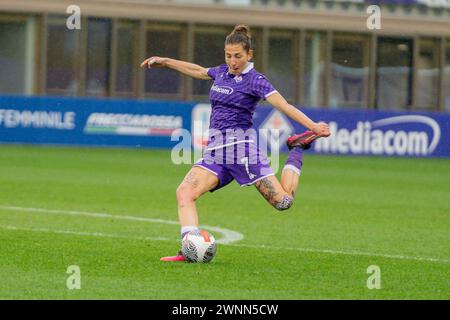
(295, 160)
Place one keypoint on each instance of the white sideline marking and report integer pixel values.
(229, 236)
(350, 253)
(105, 215)
(107, 235)
(81, 233)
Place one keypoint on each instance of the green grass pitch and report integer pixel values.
(62, 206)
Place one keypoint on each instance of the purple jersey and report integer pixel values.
(234, 98)
(232, 151)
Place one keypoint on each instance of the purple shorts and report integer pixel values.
(241, 161)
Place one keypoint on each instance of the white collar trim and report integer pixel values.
(247, 68)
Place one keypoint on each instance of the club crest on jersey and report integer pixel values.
(238, 79)
(222, 89)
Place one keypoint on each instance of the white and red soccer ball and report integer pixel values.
(198, 246)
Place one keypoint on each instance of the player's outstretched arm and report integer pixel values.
(190, 69)
(280, 103)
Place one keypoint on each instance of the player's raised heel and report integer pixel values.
(178, 257)
(302, 140)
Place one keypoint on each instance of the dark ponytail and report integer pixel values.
(240, 35)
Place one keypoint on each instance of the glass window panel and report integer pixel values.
(314, 69)
(447, 77)
(62, 57)
(126, 66)
(349, 83)
(163, 43)
(428, 74)
(98, 57)
(12, 57)
(208, 52)
(281, 67)
(394, 73)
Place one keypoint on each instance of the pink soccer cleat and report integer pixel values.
(302, 140)
(178, 257)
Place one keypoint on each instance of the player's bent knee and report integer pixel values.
(185, 193)
(285, 203)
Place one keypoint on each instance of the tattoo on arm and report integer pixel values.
(267, 189)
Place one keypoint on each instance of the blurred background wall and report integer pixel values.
(320, 54)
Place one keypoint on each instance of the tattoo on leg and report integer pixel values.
(266, 188)
(285, 203)
(191, 179)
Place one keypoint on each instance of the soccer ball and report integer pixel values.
(198, 246)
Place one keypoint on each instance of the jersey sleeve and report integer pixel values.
(261, 87)
(214, 71)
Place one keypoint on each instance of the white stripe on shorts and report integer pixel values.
(253, 182)
(199, 165)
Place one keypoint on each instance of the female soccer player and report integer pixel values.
(237, 89)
